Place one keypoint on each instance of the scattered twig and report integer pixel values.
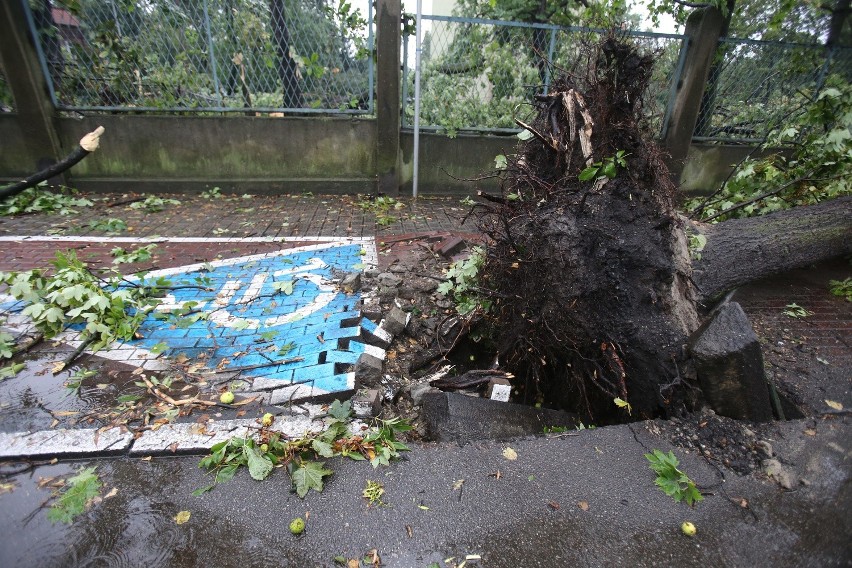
(73, 357)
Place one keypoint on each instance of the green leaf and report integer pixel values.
(286, 287)
(622, 404)
(269, 335)
(259, 465)
(340, 411)
(500, 162)
(203, 490)
(286, 348)
(322, 448)
(309, 476)
(79, 490)
(11, 370)
(588, 173)
(159, 348)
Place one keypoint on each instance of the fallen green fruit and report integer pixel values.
(297, 526)
(267, 419)
(688, 528)
(226, 397)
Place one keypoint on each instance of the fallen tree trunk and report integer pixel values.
(743, 250)
(88, 144)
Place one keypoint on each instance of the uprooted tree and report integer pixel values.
(592, 286)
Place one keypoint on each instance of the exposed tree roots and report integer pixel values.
(591, 280)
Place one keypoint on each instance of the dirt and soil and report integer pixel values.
(808, 369)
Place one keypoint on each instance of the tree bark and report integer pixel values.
(743, 250)
(839, 16)
(286, 66)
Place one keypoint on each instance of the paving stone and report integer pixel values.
(396, 321)
(368, 370)
(450, 246)
(64, 443)
(378, 337)
(367, 403)
(351, 283)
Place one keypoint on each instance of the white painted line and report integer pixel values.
(376, 352)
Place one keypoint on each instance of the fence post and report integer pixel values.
(26, 77)
(703, 28)
(212, 56)
(388, 25)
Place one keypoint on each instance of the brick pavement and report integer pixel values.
(258, 215)
(230, 227)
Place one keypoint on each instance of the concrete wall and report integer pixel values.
(235, 153)
(288, 155)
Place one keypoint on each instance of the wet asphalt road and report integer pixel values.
(585, 499)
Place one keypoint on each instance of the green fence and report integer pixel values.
(297, 56)
(480, 74)
(756, 87)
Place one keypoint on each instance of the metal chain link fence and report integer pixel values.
(756, 87)
(206, 55)
(481, 74)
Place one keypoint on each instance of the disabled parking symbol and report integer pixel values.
(279, 315)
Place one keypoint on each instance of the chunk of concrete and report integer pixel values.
(418, 391)
(351, 283)
(729, 364)
(458, 418)
(367, 403)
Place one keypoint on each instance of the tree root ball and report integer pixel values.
(589, 272)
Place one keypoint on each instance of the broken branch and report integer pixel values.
(87, 145)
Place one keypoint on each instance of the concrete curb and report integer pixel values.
(171, 439)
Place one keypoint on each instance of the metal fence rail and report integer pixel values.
(205, 55)
(480, 74)
(756, 86)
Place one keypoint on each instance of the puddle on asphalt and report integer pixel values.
(135, 527)
(36, 399)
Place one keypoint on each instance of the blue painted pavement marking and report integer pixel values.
(266, 308)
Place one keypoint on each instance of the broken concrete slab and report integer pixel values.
(64, 443)
(729, 364)
(458, 418)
